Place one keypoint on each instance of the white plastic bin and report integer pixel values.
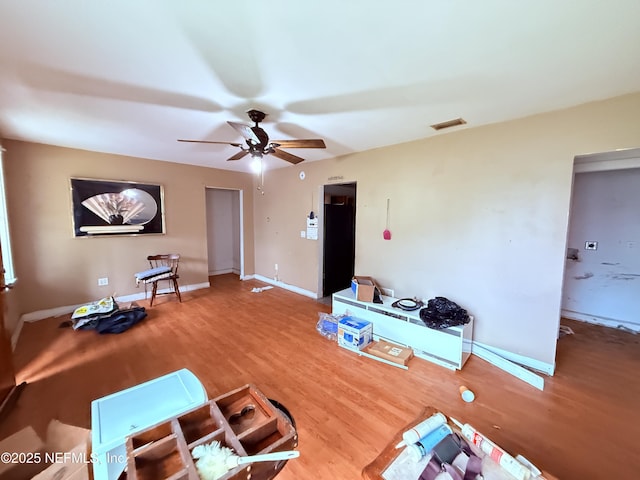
(123, 413)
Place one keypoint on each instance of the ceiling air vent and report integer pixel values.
(448, 124)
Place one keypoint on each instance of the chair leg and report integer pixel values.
(177, 290)
(154, 289)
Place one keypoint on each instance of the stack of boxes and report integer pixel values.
(355, 333)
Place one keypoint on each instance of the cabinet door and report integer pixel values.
(438, 343)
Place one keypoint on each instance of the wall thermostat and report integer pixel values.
(302, 175)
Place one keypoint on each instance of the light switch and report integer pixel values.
(591, 245)
(303, 234)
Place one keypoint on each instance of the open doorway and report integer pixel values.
(225, 250)
(602, 270)
(339, 243)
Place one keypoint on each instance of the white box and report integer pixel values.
(123, 413)
(354, 333)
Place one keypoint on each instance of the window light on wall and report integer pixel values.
(5, 239)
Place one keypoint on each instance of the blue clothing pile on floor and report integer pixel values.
(106, 316)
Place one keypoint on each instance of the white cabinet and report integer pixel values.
(449, 347)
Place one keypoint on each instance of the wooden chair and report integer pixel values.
(165, 260)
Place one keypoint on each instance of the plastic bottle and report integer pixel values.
(501, 457)
(423, 446)
(422, 429)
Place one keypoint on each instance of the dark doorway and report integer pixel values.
(339, 237)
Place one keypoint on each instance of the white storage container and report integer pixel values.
(123, 413)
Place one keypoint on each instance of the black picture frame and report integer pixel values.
(110, 207)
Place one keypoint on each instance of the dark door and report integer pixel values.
(339, 241)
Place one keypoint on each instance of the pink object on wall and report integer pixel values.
(387, 233)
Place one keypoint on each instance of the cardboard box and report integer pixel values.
(365, 289)
(64, 456)
(391, 351)
(354, 333)
(25, 443)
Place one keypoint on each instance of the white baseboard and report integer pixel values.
(65, 310)
(246, 277)
(50, 312)
(16, 333)
(224, 271)
(186, 288)
(508, 366)
(597, 320)
(286, 286)
(528, 362)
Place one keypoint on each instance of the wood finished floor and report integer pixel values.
(584, 425)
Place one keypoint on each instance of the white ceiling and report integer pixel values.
(132, 76)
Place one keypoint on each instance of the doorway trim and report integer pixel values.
(320, 217)
(240, 220)
(606, 161)
(321, 228)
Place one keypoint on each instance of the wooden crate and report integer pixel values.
(243, 420)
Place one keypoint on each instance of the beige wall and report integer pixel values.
(55, 269)
(479, 216)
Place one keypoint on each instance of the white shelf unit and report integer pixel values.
(449, 347)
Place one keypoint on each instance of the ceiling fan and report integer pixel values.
(258, 143)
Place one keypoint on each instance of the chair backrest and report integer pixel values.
(165, 260)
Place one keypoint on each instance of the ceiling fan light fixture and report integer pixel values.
(448, 124)
(258, 144)
(256, 164)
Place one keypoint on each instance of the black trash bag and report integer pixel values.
(121, 321)
(441, 313)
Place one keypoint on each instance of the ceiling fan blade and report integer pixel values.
(245, 131)
(287, 156)
(238, 155)
(209, 141)
(309, 143)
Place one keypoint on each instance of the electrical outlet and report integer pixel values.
(591, 245)
(103, 281)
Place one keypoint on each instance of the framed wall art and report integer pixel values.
(107, 207)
